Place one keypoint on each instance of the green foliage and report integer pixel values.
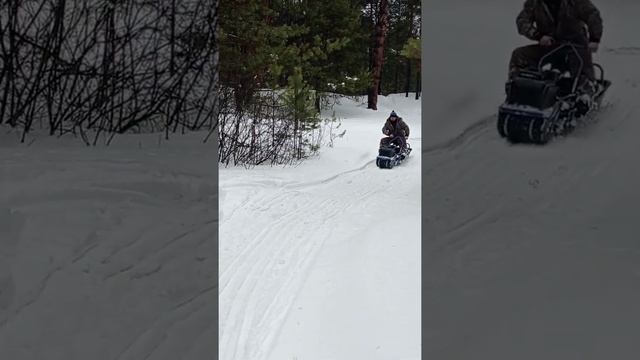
(261, 43)
(399, 73)
(351, 86)
(298, 98)
(412, 49)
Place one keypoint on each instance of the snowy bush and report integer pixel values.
(277, 128)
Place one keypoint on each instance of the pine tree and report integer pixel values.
(298, 98)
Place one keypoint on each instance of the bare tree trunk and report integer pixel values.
(378, 59)
(373, 8)
(418, 84)
(53, 87)
(8, 100)
(407, 84)
(172, 61)
(396, 86)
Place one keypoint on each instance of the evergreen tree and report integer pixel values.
(298, 99)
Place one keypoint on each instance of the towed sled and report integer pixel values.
(393, 153)
(546, 102)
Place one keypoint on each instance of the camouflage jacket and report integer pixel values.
(400, 128)
(536, 20)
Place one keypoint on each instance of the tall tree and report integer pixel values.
(411, 51)
(382, 26)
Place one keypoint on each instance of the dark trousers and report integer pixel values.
(528, 57)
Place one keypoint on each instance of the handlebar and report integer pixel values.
(561, 46)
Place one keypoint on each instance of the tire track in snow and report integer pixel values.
(264, 203)
(469, 133)
(258, 286)
(241, 277)
(285, 185)
(553, 186)
(624, 50)
(253, 246)
(331, 178)
(278, 249)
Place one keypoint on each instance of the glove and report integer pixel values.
(593, 47)
(546, 40)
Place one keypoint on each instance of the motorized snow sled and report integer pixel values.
(546, 102)
(393, 153)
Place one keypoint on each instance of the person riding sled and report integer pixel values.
(553, 22)
(396, 130)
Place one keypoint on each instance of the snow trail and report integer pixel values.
(278, 226)
(532, 250)
(97, 244)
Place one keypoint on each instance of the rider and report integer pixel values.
(395, 128)
(552, 21)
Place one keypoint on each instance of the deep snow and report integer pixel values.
(322, 260)
(531, 252)
(107, 252)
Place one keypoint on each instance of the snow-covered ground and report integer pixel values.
(532, 252)
(107, 252)
(322, 260)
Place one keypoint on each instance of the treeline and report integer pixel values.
(95, 67)
(282, 61)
